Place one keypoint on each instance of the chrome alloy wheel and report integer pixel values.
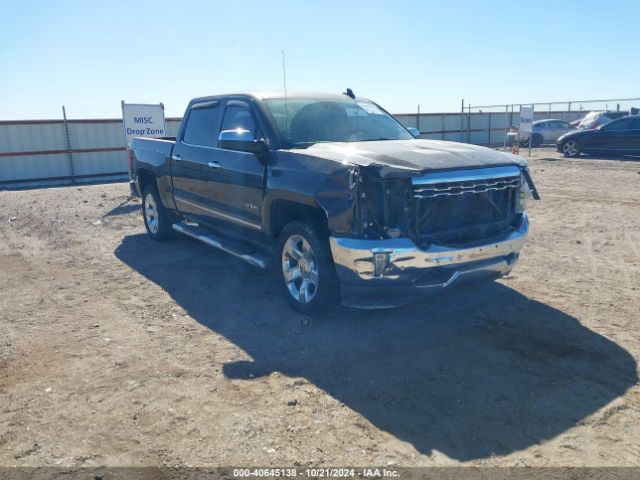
(300, 269)
(570, 148)
(151, 213)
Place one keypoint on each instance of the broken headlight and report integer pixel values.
(384, 206)
(523, 195)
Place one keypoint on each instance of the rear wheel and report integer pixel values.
(571, 148)
(536, 140)
(306, 269)
(156, 220)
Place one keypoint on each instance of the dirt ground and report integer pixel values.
(118, 351)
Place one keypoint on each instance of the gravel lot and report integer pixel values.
(115, 350)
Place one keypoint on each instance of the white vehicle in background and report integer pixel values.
(596, 119)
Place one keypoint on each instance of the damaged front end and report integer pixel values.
(427, 231)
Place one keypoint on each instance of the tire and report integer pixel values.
(536, 140)
(571, 148)
(156, 220)
(305, 269)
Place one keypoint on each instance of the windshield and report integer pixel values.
(312, 120)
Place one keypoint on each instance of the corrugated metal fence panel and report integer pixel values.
(172, 125)
(96, 134)
(100, 163)
(32, 167)
(31, 136)
(34, 138)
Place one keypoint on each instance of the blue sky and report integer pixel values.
(90, 55)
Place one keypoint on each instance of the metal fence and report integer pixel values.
(67, 151)
(63, 152)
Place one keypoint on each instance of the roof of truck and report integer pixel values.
(263, 95)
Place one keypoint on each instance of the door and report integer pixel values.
(610, 138)
(556, 130)
(236, 179)
(633, 136)
(543, 129)
(190, 158)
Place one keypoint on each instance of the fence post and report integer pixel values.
(469, 125)
(68, 144)
(489, 141)
(418, 120)
(569, 112)
(506, 121)
(461, 119)
(531, 134)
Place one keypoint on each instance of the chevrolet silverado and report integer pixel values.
(347, 201)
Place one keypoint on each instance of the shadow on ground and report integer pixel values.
(470, 373)
(128, 206)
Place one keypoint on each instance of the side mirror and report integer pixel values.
(241, 141)
(414, 131)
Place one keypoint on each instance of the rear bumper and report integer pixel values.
(406, 271)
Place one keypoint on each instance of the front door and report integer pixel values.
(236, 179)
(610, 138)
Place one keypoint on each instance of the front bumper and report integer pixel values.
(406, 271)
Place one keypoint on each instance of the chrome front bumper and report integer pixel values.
(405, 270)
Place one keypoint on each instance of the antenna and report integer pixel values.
(284, 81)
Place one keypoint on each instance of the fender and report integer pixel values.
(331, 192)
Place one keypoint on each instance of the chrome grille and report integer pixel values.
(465, 187)
(465, 205)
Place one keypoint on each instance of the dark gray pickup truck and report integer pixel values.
(350, 204)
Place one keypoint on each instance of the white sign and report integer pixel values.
(526, 122)
(143, 121)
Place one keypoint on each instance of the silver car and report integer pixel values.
(546, 131)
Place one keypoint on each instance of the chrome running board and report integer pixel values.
(256, 259)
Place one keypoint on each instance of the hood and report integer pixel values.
(393, 158)
(576, 134)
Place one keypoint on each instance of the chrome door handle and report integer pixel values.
(177, 158)
(214, 165)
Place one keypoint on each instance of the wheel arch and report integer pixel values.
(281, 210)
(146, 177)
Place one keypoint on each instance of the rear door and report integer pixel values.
(557, 129)
(633, 136)
(190, 158)
(543, 129)
(236, 179)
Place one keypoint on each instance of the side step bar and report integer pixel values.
(256, 259)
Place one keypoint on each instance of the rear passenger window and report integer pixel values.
(238, 116)
(202, 125)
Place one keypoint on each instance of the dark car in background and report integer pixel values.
(621, 137)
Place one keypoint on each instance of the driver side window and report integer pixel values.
(238, 116)
(618, 125)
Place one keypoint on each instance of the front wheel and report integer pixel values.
(156, 220)
(306, 269)
(571, 148)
